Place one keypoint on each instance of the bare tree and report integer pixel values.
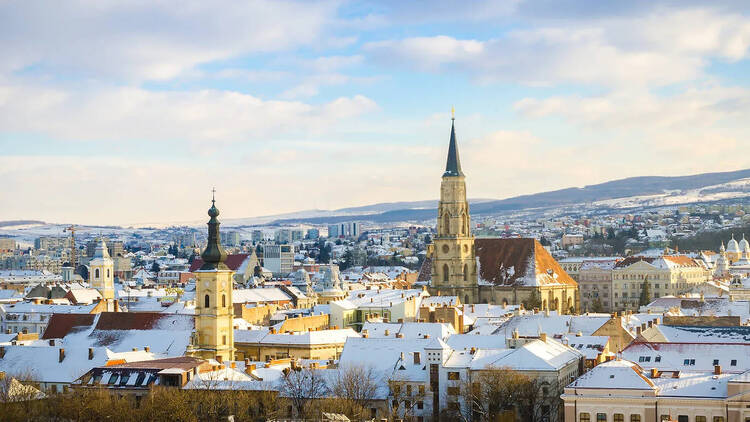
(301, 386)
(492, 393)
(406, 398)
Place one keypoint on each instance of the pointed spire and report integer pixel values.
(214, 255)
(453, 164)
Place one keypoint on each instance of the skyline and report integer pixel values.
(128, 114)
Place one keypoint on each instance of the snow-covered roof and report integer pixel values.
(689, 356)
(309, 337)
(259, 295)
(409, 329)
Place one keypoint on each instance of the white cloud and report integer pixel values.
(147, 39)
(662, 47)
(126, 114)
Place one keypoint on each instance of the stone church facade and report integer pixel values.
(512, 271)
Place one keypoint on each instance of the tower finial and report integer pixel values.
(213, 195)
(453, 113)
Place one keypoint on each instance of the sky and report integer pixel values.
(131, 112)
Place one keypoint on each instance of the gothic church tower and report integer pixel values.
(214, 332)
(454, 267)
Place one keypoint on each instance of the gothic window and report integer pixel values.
(446, 224)
(446, 248)
(107, 273)
(206, 302)
(96, 273)
(445, 273)
(466, 272)
(223, 301)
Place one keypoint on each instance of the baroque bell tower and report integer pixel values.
(214, 315)
(454, 267)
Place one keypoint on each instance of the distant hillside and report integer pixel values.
(612, 190)
(11, 223)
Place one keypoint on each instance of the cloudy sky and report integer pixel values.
(129, 112)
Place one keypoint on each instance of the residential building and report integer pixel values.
(279, 259)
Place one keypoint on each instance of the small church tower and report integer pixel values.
(454, 267)
(214, 315)
(101, 271)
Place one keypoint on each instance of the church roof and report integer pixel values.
(453, 164)
(518, 262)
(233, 261)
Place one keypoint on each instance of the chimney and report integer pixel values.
(417, 358)
(135, 349)
(387, 333)
(543, 337)
(426, 336)
(91, 353)
(654, 373)
(643, 326)
(650, 324)
(25, 331)
(473, 350)
(399, 335)
(233, 365)
(403, 357)
(147, 349)
(62, 355)
(400, 320)
(51, 342)
(717, 369)
(638, 330)
(219, 358)
(247, 362)
(365, 335)
(273, 330)
(614, 315)
(2, 352)
(472, 308)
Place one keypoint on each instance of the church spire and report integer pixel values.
(453, 164)
(214, 255)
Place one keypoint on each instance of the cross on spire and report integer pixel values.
(213, 195)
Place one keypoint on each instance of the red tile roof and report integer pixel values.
(498, 256)
(61, 324)
(133, 320)
(233, 262)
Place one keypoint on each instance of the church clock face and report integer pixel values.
(446, 248)
(205, 284)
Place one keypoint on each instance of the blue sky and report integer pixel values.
(129, 112)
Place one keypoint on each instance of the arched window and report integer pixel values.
(206, 302)
(445, 272)
(107, 273)
(466, 272)
(446, 224)
(96, 273)
(223, 301)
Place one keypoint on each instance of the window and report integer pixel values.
(206, 302)
(657, 359)
(113, 379)
(718, 418)
(445, 272)
(224, 340)
(420, 405)
(618, 417)
(733, 362)
(454, 376)
(454, 391)
(635, 418)
(408, 389)
(96, 273)
(689, 362)
(584, 417)
(108, 273)
(223, 301)
(601, 417)
(682, 418)
(700, 419)
(421, 389)
(466, 272)
(716, 362)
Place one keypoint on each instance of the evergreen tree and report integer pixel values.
(533, 301)
(155, 267)
(596, 306)
(645, 293)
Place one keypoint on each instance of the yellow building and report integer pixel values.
(102, 272)
(512, 271)
(214, 332)
(666, 275)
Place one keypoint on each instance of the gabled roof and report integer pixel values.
(233, 262)
(518, 262)
(61, 324)
(615, 374)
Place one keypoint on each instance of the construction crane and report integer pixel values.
(72, 230)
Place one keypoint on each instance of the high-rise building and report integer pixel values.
(334, 230)
(297, 235)
(230, 239)
(257, 236)
(214, 332)
(279, 259)
(313, 234)
(7, 245)
(283, 236)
